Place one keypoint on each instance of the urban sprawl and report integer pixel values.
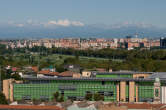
(87, 43)
(33, 84)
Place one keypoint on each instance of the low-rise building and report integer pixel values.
(69, 74)
(47, 73)
(86, 73)
(115, 87)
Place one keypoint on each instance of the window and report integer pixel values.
(27, 97)
(62, 93)
(72, 97)
(89, 92)
(141, 77)
(44, 97)
(109, 93)
(103, 82)
(80, 98)
(67, 87)
(101, 92)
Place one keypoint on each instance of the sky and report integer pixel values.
(80, 12)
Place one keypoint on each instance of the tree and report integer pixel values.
(71, 60)
(36, 101)
(61, 99)
(60, 68)
(21, 101)
(89, 96)
(56, 96)
(16, 76)
(3, 99)
(98, 97)
(60, 57)
(77, 55)
(108, 65)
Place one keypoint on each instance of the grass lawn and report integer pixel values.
(57, 59)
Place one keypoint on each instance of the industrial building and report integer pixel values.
(114, 86)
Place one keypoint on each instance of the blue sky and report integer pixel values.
(85, 11)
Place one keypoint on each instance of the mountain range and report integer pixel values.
(85, 31)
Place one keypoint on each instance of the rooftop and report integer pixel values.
(28, 107)
(67, 74)
(91, 79)
(123, 72)
(48, 72)
(161, 75)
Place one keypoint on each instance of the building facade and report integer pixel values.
(115, 87)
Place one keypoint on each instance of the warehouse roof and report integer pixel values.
(90, 79)
(121, 72)
(161, 75)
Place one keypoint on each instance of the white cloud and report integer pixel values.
(29, 21)
(51, 23)
(19, 25)
(16, 24)
(65, 23)
(10, 22)
(34, 23)
(77, 23)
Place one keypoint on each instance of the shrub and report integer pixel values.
(89, 96)
(98, 97)
(3, 100)
(56, 95)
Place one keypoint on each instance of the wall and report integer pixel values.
(77, 89)
(163, 94)
(86, 74)
(114, 75)
(113, 90)
(145, 91)
(140, 75)
(8, 89)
